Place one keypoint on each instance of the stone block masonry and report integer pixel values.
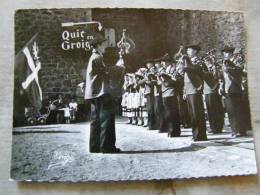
(155, 32)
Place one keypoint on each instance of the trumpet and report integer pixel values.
(210, 54)
(239, 57)
(179, 57)
(179, 54)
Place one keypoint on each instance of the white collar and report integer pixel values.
(97, 51)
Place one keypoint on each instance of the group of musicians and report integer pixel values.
(186, 90)
(168, 93)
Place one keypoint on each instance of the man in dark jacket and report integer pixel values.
(169, 83)
(193, 88)
(148, 82)
(232, 89)
(98, 91)
(215, 110)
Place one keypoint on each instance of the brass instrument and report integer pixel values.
(179, 58)
(239, 57)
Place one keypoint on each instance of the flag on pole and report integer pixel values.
(27, 84)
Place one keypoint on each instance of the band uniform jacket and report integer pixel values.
(211, 78)
(170, 82)
(193, 79)
(98, 81)
(232, 78)
(148, 84)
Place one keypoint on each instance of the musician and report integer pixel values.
(169, 83)
(158, 102)
(193, 89)
(183, 105)
(97, 90)
(232, 89)
(213, 100)
(142, 72)
(239, 60)
(149, 93)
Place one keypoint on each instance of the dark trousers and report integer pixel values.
(158, 110)
(150, 111)
(198, 122)
(183, 110)
(215, 111)
(234, 103)
(246, 111)
(171, 118)
(102, 126)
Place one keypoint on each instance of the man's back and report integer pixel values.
(96, 77)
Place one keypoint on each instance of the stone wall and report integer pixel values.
(207, 28)
(155, 32)
(61, 71)
(147, 28)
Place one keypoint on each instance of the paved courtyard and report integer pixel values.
(60, 153)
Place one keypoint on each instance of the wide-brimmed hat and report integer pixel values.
(98, 39)
(142, 70)
(195, 47)
(151, 73)
(139, 74)
(228, 49)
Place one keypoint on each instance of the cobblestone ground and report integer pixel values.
(60, 153)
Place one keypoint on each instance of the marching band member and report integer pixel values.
(213, 100)
(169, 82)
(239, 60)
(193, 88)
(143, 107)
(183, 105)
(232, 89)
(149, 93)
(158, 102)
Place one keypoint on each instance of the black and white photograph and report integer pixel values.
(129, 94)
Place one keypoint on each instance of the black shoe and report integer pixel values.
(162, 131)
(173, 135)
(186, 126)
(240, 135)
(214, 131)
(112, 151)
(94, 151)
(200, 140)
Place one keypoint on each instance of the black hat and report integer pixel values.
(196, 47)
(97, 40)
(166, 58)
(228, 49)
(138, 74)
